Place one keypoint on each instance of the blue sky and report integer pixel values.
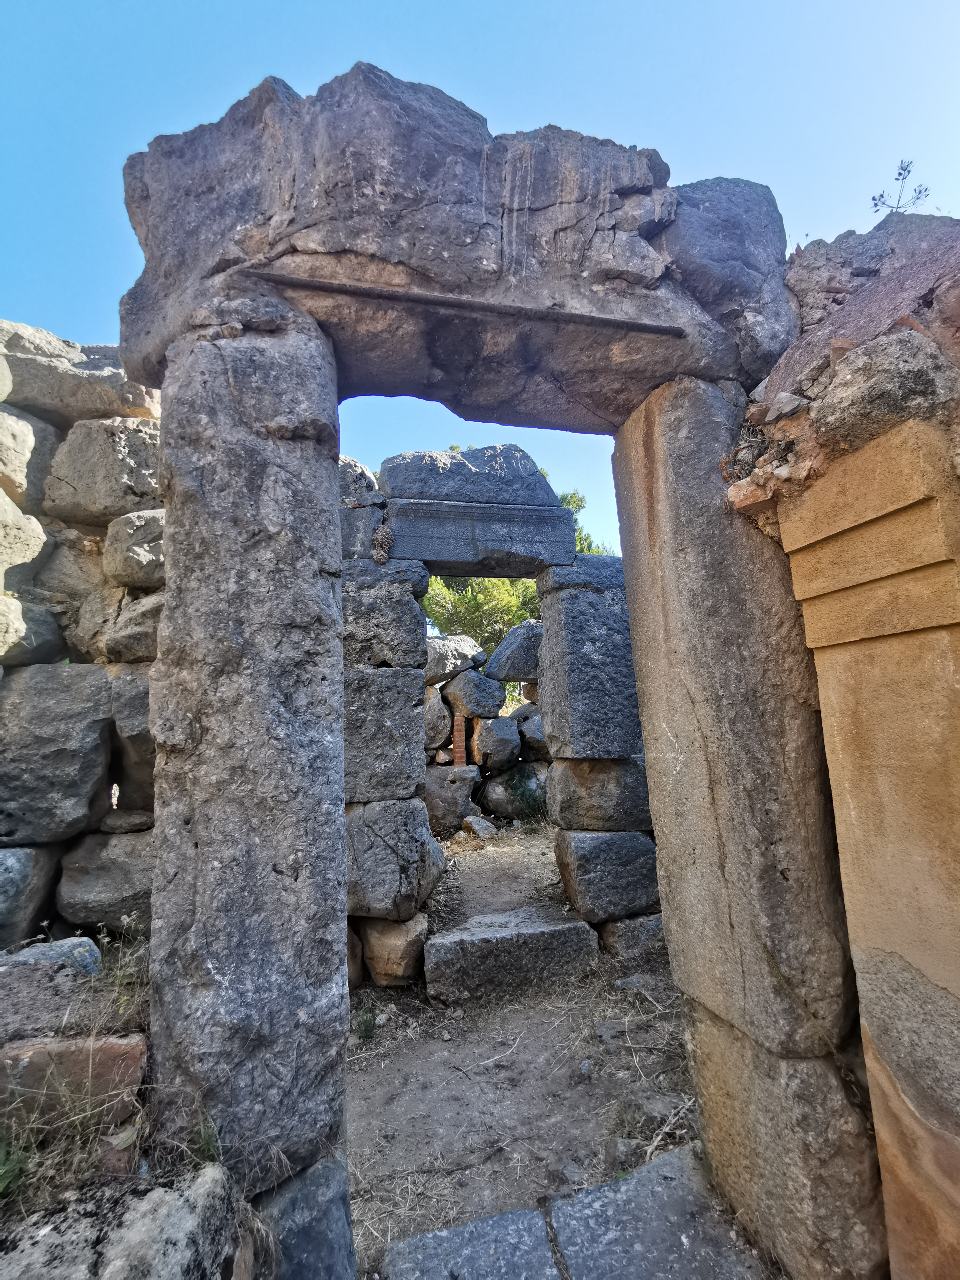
(818, 100)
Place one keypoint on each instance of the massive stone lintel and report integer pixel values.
(463, 539)
(248, 957)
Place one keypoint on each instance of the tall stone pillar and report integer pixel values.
(248, 950)
(875, 553)
(752, 908)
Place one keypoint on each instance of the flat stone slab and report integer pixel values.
(505, 950)
(510, 1246)
(660, 1223)
(464, 539)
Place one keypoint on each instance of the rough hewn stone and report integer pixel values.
(495, 744)
(131, 636)
(447, 656)
(533, 739)
(393, 949)
(497, 474)
(608, 875)
(105, 468)
(23, 546)
(383, 734)
(362, 509)
(598, 795)
(516, 657)
(465, 539)
(79, 954)
(393, 860)
(448, 797)
(50, 1079)
(437, 721)
(53, 752)
(790, 1150)
(106, 880)
(308, 1216)
(73, 567)
(505, 1247)
(474, 695)
(519, 794)
(383, 625)
(27, 877)
(27, 446)
(247, 708)
(506, 950)
(564, 214)
(28, 633)
(734, 755)
(133, 550)
(636, 940)
(587, 690)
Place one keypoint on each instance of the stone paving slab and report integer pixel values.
(660, 1223)
(511, 1246)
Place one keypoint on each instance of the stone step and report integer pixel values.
(660, 1223)
(507, 950)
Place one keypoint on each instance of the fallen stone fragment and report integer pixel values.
(383, 733)
(27, 446)
(106, 880)
(449, 789)
(598, 795)
(608, 875)
(57, 1080)
(474, 695)
(498, 474)
(495, 744)
(393, 950)
(507, 950)
(518, 794)
(28, 634)
(482, 828)
(463, 539)
(393, 861)
(506, 1247)
(105, 468)
(662, 1221)
(133, 550)
(447, 656)
(27, 877)
(54, 752)
(308, 1217)
(516, 657)
(437, 721)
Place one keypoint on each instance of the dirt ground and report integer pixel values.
(456, 1114)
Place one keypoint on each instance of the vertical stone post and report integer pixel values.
(752, 908)
(248, 950)
(875, 553)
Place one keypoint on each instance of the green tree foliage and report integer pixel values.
(587, 545)
(482, 608)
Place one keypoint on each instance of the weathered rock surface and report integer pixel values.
(62, 382)
(308, 1216)
(393, 860)
(727, 245)
(505, 1247)
(474, 695)
(533, 739)
(191, 1228)
(480, 827)
(636, 940)
(495, 744)
(507, 950)
(746, 858)
(27, 446)
(447, 656)
(448, 797)
(661, 1221)
(105, 468)
(106, 879)
(79, 954)
(53, 990)
(383, 625)
(131, 636)
(790, 1150)
(23, 546)
(520, 793)
(437, 721)
(27, 877)
(28, 633)
(53, 752)
(393, 949)
(598, 795)
(50, 1079)
(133, 550)
(516, 657)
(497, 474)
(73, 567)
(588, 696)
(247, 708)
(134, 751)
(608, 875)
(464, 539)
(547, 219)
(383, 733)
(362, 509)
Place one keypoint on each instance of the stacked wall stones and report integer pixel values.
(596, 785)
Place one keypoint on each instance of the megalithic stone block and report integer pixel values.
(467, 539)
